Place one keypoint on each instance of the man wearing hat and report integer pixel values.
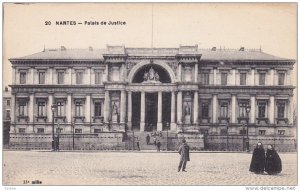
(184, 151)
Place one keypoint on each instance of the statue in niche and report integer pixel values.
(187, 109)
(151, 74)
(115, 112)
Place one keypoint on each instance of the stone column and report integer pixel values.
(32, 76)
(49, 110)
(233, 108)
(123, 106)
(106, 107)
(253, 109)
(142, 123)
(13, 112)
(214, 108)
(69, 108)
(196, 72)
(179, 72)
(272, 109)
(252, 82)
(195, 118)
(179, 107)
(173, 124)
(50, 79)
(13, 72)
(291, 110)
(88, 109)
(159, 112)
(70, 76)
(31, 108)
(129, 113)
(215, 76)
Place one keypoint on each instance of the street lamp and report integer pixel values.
(58, 131)
(53, 109)
(248, 109)
(167, 124)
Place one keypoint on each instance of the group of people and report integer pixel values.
(262, 161)
(156, 142)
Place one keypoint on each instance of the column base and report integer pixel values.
(159, 127)
(173, 126)
(129, 126)
(142, 126)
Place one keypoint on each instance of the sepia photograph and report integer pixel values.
(150, 94)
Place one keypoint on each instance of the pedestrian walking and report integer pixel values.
(184, 151)
(258, 159)
(138, 144)
(273, 161)
(154, 140)
(148, 139)
(158, 145)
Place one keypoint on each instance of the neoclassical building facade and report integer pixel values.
(114, 92)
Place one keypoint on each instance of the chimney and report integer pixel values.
(214, 48)
(6, 89)
(90, 48)
(242, 49)
(63, 48)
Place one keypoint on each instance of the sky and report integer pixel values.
(271, 26)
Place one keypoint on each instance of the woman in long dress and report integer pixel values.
(258, 159)
(273, 161)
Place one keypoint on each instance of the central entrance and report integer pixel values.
(151, 112)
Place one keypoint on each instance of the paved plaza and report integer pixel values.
(139, 168)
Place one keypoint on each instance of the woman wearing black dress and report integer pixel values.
(273, 161)
(258, 159)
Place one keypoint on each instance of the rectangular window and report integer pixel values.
(223, 78)
(262, 132)
(97, 109)
(262, 110)
(7, 114)
(98, 77)
(204, 110)
(40, 130)
(22, 108)
(223, 132)
(60, 77)
(281, 77)
(243, 132)
(224, 110)
(21, 130)
(8, 103)
(97, 130)
(262, 79)
(59, 130)
(205, 78)
(243, 78)
(281, 132)
(22, 77)
(243, 112)
(41, 77)
(280, 110)
(78, 130)
(60, 108)
(41, 108)
(79, 77)
(78, 109)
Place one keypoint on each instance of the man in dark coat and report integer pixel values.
(148, 139)
(273, 161)
(258, 159)
(158, 146)
(184, 151)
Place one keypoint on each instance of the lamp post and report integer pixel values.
(53, 109)
(227, 137)
(248, 109)
(58, 131)
(167, 124)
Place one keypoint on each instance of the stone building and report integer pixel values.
(6, 107)
(215, 98)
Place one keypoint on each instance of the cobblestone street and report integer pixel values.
(122, 168)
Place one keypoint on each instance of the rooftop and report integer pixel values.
(213, 54)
